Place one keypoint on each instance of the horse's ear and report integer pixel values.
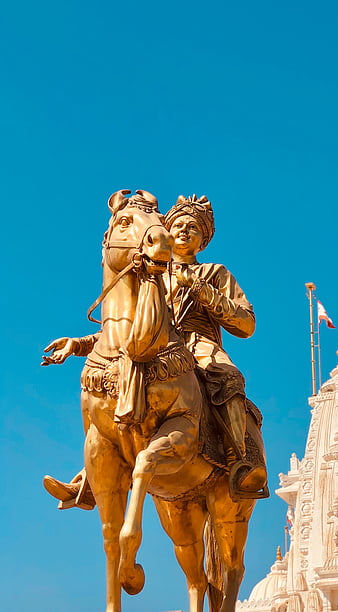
(180, 199)
(149, 197)
(117, 200)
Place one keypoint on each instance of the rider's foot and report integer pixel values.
(252, 479)
(63, 491)
(248, 481)
(76, 493)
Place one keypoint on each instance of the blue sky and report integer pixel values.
(235, 100)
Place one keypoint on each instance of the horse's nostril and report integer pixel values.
(150, 240)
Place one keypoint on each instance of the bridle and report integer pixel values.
(129, 244)
(135, 265)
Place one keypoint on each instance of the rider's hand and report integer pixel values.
(185, 276)
(61, 349)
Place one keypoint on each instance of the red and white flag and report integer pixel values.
(290, 516)
(323, 316)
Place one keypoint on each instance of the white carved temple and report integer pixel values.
(306, 579)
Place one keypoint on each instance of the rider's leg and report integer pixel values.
(109, 480)
(234, 413)
(184, 523)
(225, 387)
(175, 443)
(247, 478)
(230, 524)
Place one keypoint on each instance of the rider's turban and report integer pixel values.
(198, 208)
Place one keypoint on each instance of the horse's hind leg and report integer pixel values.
(174, 444)
(230, 525)
(110, 483)
(184, 523)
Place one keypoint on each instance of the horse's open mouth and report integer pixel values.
(155, 263)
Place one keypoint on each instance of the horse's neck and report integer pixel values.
(118, 312)
(134, 317)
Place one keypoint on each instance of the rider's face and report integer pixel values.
(187, 235)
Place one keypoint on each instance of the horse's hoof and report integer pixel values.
(133, 583)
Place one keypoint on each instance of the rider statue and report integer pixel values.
(202, 298)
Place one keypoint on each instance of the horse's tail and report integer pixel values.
(213, 568)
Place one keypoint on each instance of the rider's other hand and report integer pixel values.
(61, 349)
(185, 276)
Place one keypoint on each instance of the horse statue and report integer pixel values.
(142, 405)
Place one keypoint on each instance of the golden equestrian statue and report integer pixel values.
(164, 408)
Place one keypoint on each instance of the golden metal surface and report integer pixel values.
(193, 443)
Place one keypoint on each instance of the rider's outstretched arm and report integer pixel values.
(85, 344)
(64, 347)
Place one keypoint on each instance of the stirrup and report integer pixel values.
(84, 499)
(75, 494)
(235, 476)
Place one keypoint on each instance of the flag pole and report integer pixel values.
(286, 539)
(319, 352)
(311, 288)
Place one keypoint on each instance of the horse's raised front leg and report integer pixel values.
(109, 480)
(184, 523)
(174, 444)
(230, 525)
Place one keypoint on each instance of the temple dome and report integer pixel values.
(274, 582)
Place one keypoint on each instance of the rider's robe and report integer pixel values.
(215, 300)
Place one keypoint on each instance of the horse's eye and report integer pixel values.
(124, 222)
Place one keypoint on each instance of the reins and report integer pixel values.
(171, 292)
(136, 263)
(106, 291)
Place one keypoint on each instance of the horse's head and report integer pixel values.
(136, 233)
